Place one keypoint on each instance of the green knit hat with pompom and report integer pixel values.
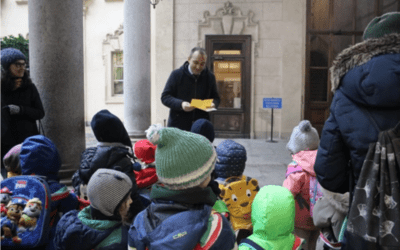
(183, 159)
(383, 25)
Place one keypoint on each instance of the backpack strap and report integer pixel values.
(302, 202)
(290, 170)
(250, 244)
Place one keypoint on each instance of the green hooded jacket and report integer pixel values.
(272, 215)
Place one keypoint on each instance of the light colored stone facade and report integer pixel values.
(278, 67)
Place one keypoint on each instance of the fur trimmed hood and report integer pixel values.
(339, 201)
(360, 54)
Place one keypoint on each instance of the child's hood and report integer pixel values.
(306, 160)
(39, 156)
(273, 212)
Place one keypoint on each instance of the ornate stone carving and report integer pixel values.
(111, 38)
(86, 4)
(229, 20)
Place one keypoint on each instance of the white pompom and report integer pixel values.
(152, 133)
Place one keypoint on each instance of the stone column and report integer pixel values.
(136, 67)
(56, 62)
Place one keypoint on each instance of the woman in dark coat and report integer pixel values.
(366, 82)
(20, 101)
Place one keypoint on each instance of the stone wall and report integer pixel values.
(279, 63)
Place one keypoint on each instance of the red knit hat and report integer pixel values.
(145, 151)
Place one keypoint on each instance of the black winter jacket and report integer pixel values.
(183, 86)
(22, 125)
(115, 156)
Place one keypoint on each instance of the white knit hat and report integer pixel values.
(107, 189)
(303, 137)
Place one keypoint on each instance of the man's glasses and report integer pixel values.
(20, 65)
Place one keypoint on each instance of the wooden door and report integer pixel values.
(229, 58)
(333, 25)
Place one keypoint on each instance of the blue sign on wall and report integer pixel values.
(272, 103)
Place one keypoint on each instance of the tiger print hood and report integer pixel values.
(362, 53)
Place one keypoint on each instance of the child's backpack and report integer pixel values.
(373, 220)
(238, 194)
(26, 224)
(315, 189)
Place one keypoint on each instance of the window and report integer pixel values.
(113, 58)
(118, 73)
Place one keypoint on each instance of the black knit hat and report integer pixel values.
(109, 128)
(9, 56)
(383, 25)
(203, 127)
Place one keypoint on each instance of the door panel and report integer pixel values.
(229, 59)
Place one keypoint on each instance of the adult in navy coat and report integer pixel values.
(191, 81)
(366, 82)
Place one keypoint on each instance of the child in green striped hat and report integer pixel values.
(181, 215)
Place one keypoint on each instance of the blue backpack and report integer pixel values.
(26, 224)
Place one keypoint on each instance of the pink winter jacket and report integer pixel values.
(299, 183)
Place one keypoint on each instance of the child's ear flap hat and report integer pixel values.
(303, 137)
(107, 189)
(183, 159)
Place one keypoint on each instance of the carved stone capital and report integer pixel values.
(229, 20)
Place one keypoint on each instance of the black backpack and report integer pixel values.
(374, 216)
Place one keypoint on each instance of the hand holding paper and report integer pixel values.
(187, 107)
(206, 105)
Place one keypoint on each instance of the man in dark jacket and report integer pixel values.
(366, 82)
(191, 81)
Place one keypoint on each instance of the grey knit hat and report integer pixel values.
(303, 137)
(107, 189)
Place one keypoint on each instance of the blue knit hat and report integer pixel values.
(109, 128)
(39, 156)
(203, 127)
(231, 161)
(9, 56)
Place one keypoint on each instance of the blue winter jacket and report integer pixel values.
(169, 225)
(39, 156)
(77, 230)
(366, 78)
